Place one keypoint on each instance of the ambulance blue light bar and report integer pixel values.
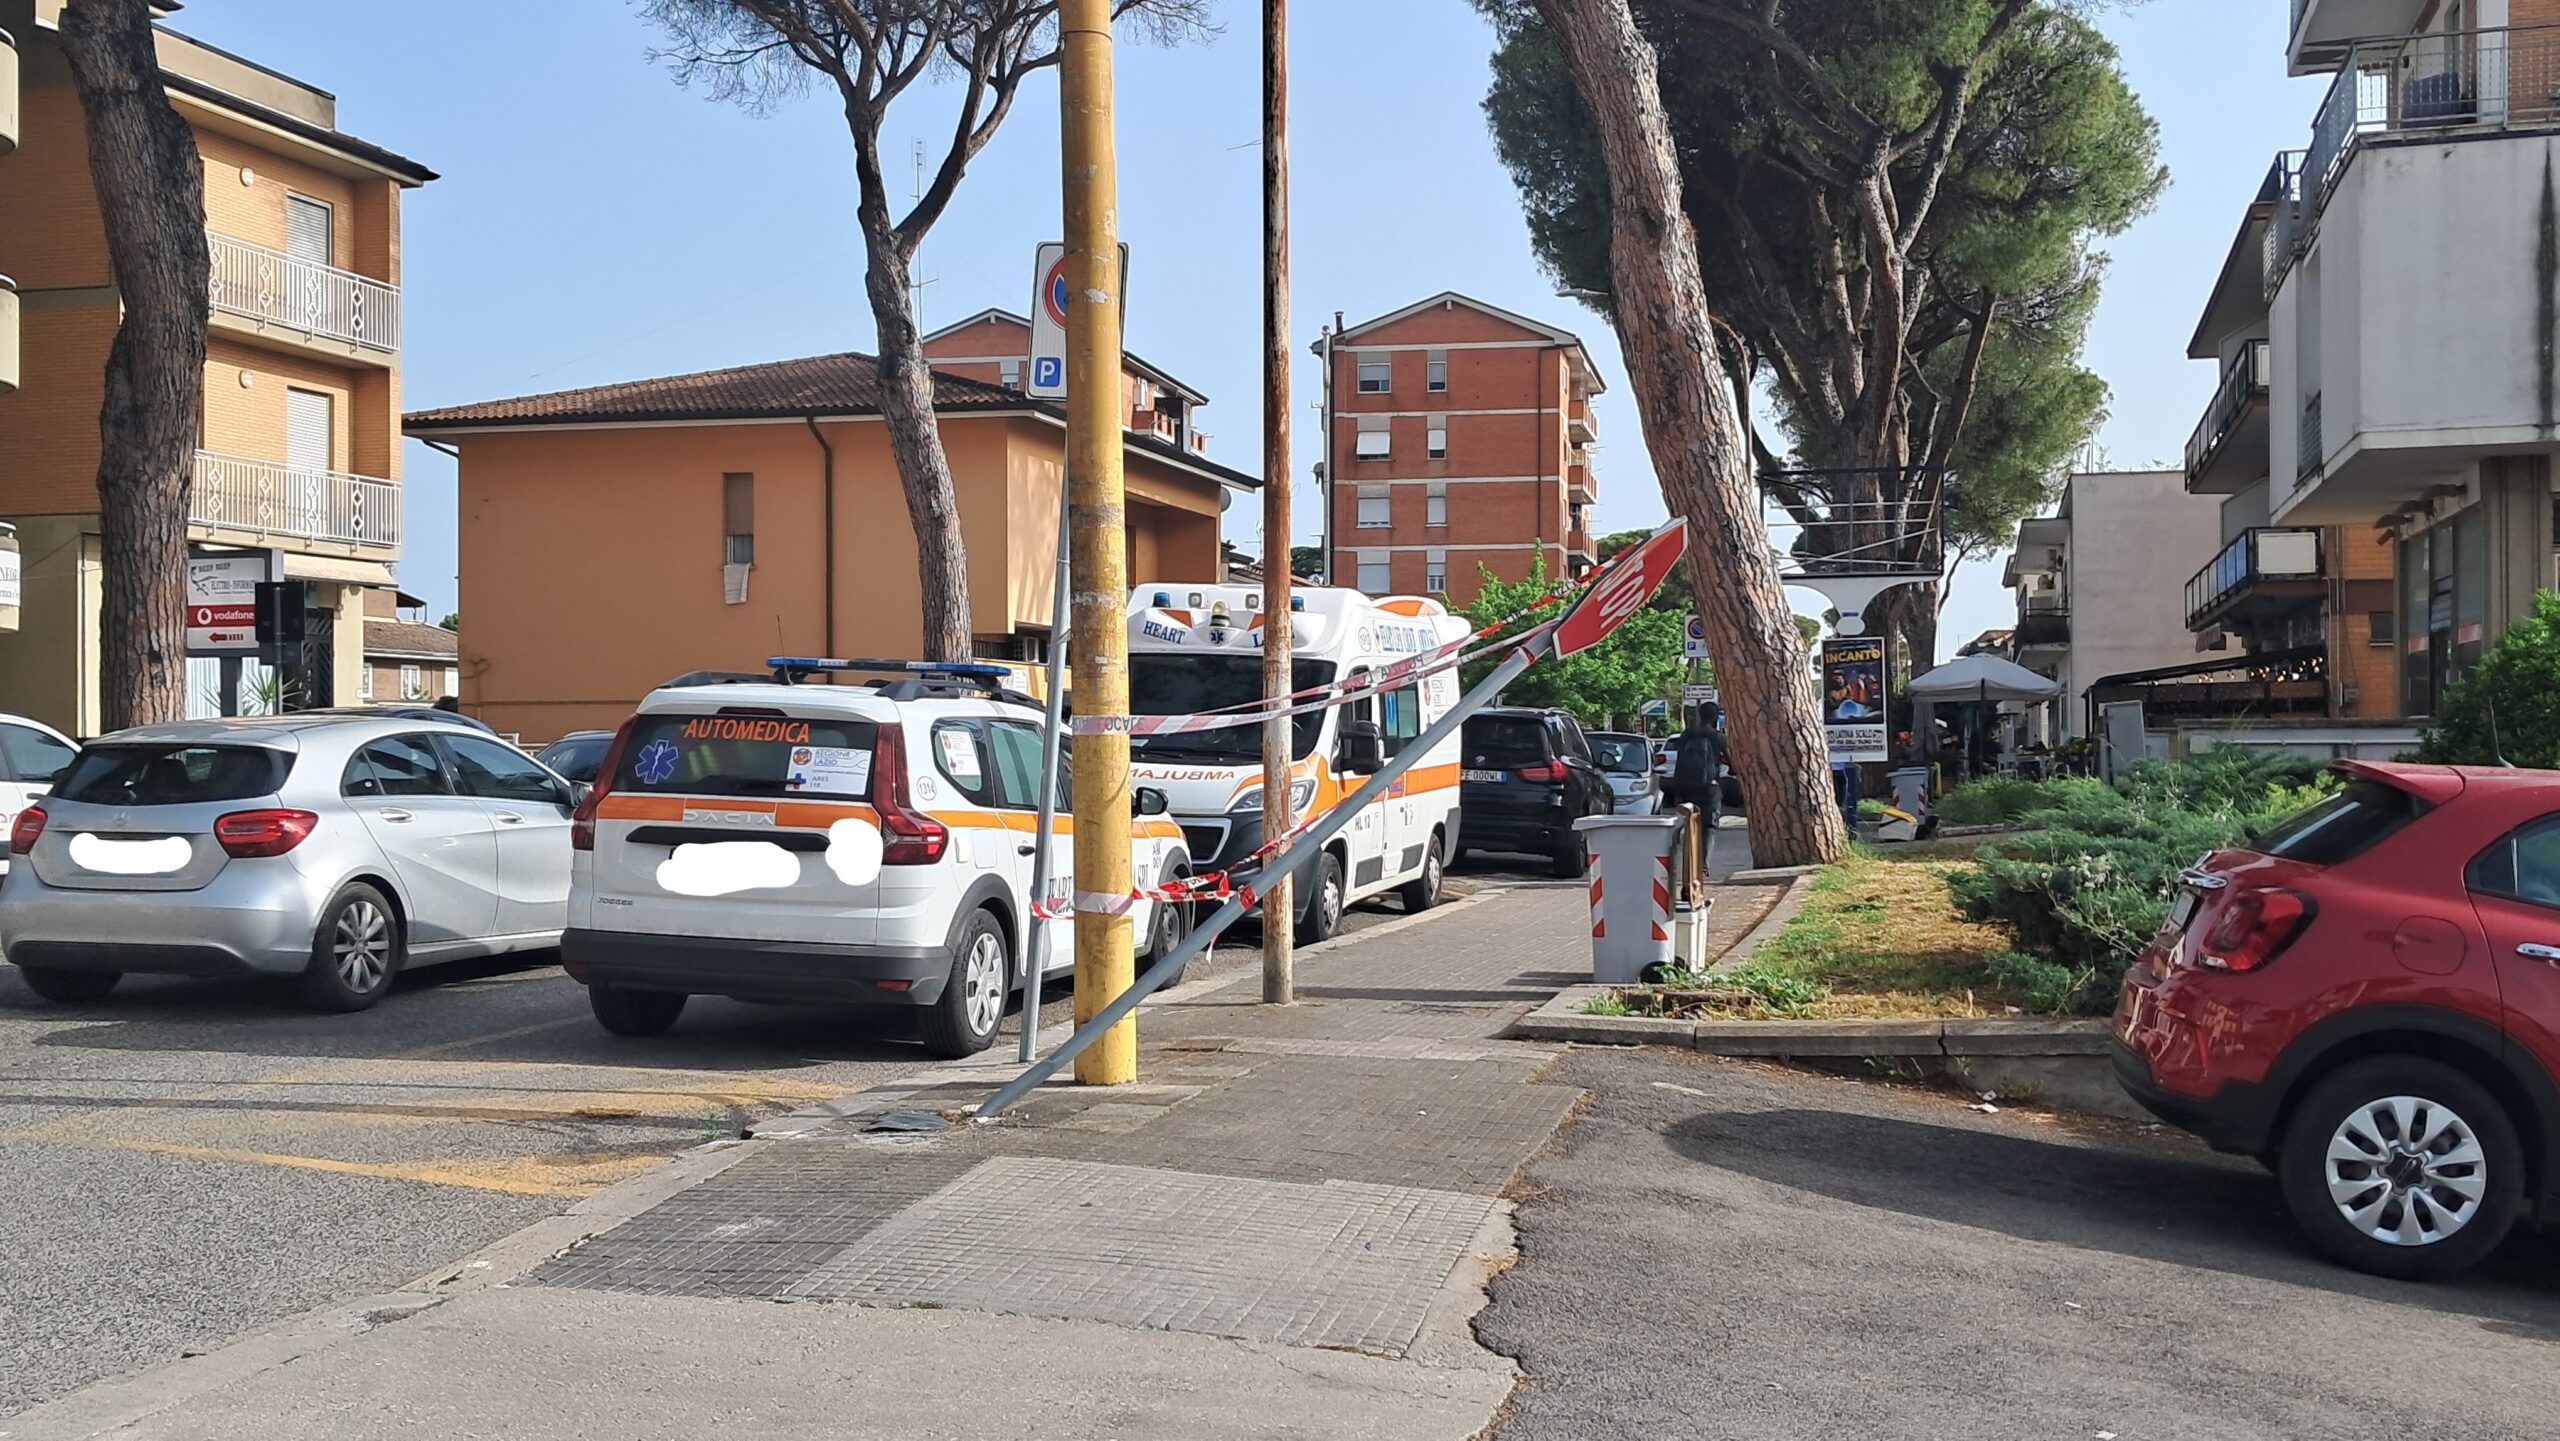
(789, 667)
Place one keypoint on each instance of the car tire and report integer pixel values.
(628, 1012)
(1166, 927)
(1423, 891)
(963, 1021)
(2437, 1135)
(356, 949)
(1323, 915)
(1573, 856)
(68, 987)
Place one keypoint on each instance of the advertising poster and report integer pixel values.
(1853, 698)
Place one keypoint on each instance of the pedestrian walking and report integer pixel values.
(1697, 758)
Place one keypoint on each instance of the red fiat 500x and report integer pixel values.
(2367, 999)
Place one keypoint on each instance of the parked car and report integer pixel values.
(428, 713)
(341, 849)
(864, 843)
(32, 755)
(1627, 762)
(1526, 776)
(2367, 999)
(577, 756)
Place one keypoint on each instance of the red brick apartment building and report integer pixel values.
(1460, 437)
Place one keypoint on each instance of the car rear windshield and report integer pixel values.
(2344, 826)
(1622, 755)
(1504, 742)
(173, 775)
(748, 755)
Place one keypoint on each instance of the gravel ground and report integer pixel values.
(1722, 1249)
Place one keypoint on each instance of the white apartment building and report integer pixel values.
(2405, 323)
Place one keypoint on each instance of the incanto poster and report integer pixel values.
(1853, 698)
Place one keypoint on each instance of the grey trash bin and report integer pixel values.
(1910, 789)
(1631, 919)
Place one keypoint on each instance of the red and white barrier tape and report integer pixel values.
(1215, 886)
(1421, 663)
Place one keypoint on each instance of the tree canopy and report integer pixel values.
(1640, 660)
(1894, 205)
(2507, 709)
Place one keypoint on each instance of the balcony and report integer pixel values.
(2443, 85)
(8, 93)
(1578, 427)
(275, 502)
(267, 294)
(2324, 31)
(2263, 572)
(1578, 485)
(2042, 627)
(2228, 451)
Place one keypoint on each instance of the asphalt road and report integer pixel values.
(186, 1161)
(1723, 1249)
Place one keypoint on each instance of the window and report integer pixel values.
(747, 755)
(309, 430)
(1377, 377)
(309, 227)
(2523, 865)
(960, 754)
(413, 683)
(1435, 506)
(2342, 827)
(1569, 741)
(1372, 446)
(1400, 717)
(1435, 441)
(1437, 371)
(452, 681)
(1376, 508)
(738, 518)
(399, 766)
(1017, 750)
(1012, 372)
(494, 772)
(364, 681)
(31, 756)
(1579, 515)
(2380, 623)
(1503, 742)
(172, 775)
(1375, 578)
(1435, 572)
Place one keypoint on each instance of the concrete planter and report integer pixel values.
(2061, 1063)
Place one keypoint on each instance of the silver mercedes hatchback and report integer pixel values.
(338, 849)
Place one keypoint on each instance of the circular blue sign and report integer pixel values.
(656, 762)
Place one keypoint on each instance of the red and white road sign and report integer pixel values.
(1622, 587)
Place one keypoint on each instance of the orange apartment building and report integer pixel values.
(300, 437)
(616, 536)
(1460, 441)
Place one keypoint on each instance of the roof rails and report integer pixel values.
(922, 679)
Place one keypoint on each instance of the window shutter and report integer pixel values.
(307, 416)
(307, 226)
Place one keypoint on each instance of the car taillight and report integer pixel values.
(2254, 929)
(908, 836)
(582, 819)
(1543, 772)
(255, 835)
(24, 830)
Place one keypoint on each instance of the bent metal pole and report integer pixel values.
(1285, 862)
(1043, 864)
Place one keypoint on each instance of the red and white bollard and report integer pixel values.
(1630, 894)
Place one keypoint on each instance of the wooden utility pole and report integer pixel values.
(1278, 954)
(1104, 963)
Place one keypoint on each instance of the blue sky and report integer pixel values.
(596, 223)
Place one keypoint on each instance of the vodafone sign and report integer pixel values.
(1622, 588)
(222, 603)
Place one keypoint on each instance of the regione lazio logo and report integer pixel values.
(656, 762)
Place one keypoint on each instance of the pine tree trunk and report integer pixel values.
(915, 441)
(1699, 450)
(150, 186)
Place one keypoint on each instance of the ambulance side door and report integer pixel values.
(1409, 821)
(1366, 841)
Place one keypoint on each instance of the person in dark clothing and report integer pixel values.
(1697, 757)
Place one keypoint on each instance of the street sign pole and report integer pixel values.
(1052, 731)
(1279, 911)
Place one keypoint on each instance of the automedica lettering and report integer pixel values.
(734, 728)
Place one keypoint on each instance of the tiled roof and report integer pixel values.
(408, 638)
(845, 384)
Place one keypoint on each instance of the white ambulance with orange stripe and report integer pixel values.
(1197, 649)
(775, 840)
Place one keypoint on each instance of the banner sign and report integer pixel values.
(222, 602)
(1853, 698)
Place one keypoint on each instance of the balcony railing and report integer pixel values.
(2255, 556)
(2284, 224)
(303, 295)
(237, 492)
(2439, 83)
(2244, 383)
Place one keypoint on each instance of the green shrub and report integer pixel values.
(2051, 989)
(1995, 800)
(2508, 706)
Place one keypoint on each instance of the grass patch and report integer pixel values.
(1607, 1003)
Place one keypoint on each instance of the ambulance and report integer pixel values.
(1197, 649)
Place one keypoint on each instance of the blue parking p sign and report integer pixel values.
(1048, 373)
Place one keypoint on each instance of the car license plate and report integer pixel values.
(1480, 775)
(2182, 910)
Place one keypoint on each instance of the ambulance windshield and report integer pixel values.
(1191, 683)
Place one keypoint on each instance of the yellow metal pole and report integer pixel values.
(1101, 655)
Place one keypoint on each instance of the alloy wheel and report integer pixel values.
(2405, 1170)
(361, 946)
(982, 984)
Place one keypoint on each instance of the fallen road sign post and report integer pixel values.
(1621, 587)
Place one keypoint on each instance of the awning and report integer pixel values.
(298, 566)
